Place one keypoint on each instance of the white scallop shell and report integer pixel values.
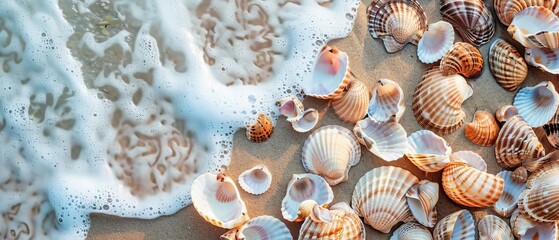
(387, 101)
(256, 180)
(330, 74)
(304, 187)
(307, 122)
(422, 198)
(264, 228)
(458, 225)
(428, 151)
(471, 158)
(508, 200)
(546, 59)
(537, 104)
(386, 140)
(352, 105)
(435, 42)
(291, 107)
(494, 228)
(411, 231)
(535, 27)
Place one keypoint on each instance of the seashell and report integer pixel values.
(507, 9)
(508, 200)
(428, 152)
(504, 113)
(535, 27)
(533, 165)
(471, 18)
(396, 22)
(494, 228)
(217, 200)
(437, 101)
(422, 198)
(458, 225)
(304, 187)
(230, 235)
(548, 170)
(540, 201)
(330, 151)
(551, 130)
(525, 228)
(462, 58)
(471, 187)
(307, 122)
(330, 74)
(353, 105)
(546, 59)
(291, 107)
(471, 158)
(520, 175)
(516, 142)
(379, 197)
(386, 140)
(342, 223)
(261, 130)
(483, 130)
(537, 104)
(411, 231)
(260, 228)
(435, 42)
(387, 101)
(507, 65)
(256, 180)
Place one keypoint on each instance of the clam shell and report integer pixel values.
(379, 197)
(546, 59)
(548, 170)
(471, 158)
(343, 223)
(291, 107)
(353, 105)
(428, 152)
(535, 27)
(411, 231)
(330, 74)
(304, 187)
(264, 228)
(494, 228)
(471, 187)
(422, 198)
(504, 113)
(387, 101)
(507, 9)
(462, 58)
(261, 130)
(525, 228)
(520, 175)
(386, 140)
(516, 142)
(537, 104)
(329, 152)
(307, 122)
(437, 101)
(435, 42)
(256, 180)
(458, 225)
(217, 200)
(540, 202)
(471, 18)
(483, 130)
(507, 65)
(508, 200)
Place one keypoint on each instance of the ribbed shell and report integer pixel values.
(428, 152)
(520, 175)
(379, 197)
(507, 65)
(352, 106)
(471, 187)
(547, 170)
(546, 59)
(471, 18)
(435, 42)
(387, 101)
(504, 113)
(304, 187)
(411, 231)
(516, 142)
(458, 225)
(492, 227)
(537, 104)
(422, 198)
(483, 129)
(508, 200)
(291, 107)
(329, 152)
(256, 180)
(535, 27)
(552, 133)
(386, 140)
(541, 201)
(525, 228)
(330, 74)
(462, 58)
(261, 130)
(264, 228)
(437, 101)
(344, 224)
(507, 9)
(307, 122)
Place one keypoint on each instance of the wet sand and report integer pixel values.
(281, 153)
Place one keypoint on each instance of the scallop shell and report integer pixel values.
(525, 228)
(304, 187)
(546, 59)
(353, 105)
(387, 101)
(437, 101)
(261, 130)
(330, 151)
(307, 122)
(458, 225)
(411, 231)
(494, 228)
(471, 18)
(471, 187)
(435, 42)
(508, 200)
(343, 223)
(516, 142)
(540, 201)
(379, 197)
(471, 158)
(507, 65)
(428, 152)
(483, 130)
(263, 228)
(507, 9)
(256, 180)
(462, 58)
(330, 74)
(422, 198)
(291, 107)
(535, 27)
(533, 165)
(537, 104)
(386, 140)
(546, 171)
(217, 200)
(520, 175)
(504, 113)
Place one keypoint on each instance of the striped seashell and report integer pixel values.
(218, 201)
(533, 165)
(535, 27)
(387, 101)
(471, 187)
(483, 130)
(507, 65)
(435, 42)
(352, 106)
(504, 113)
(492, 227)
(330, 74)
(516, 142)
(458, 225)
(386, 140)
(462, 58)
(304, 187)
(428, 152)
(411, 231)
(471, 18)
(256, 180)
(422, 198)
(307, 122)
(291, 107)
(546, 59)
(508, 201)
(260, 228)
(537, 104)
(507, 9)
(525, 228)
(551, 130)
(471, 158)
(261, 130)
(341, 223)
(520, 175)
(540, 202)
(546, 171)
(329, 152)
(379, 197)
(437, 101)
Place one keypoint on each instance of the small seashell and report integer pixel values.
(291, 107)
(462, 58)
(533, 165)
(428, 152)
(507, 65)
(483, 130)
(330, 151)
(520, 175)
(471, 187)
(504, 113)
(353, 105)
(471, 158)
(508, 200)
(435, 42)
(256, 180)
(387, 101)
(217, 200)
(507, 9)
(379, 197)
(551, 130)
(540, 202)
(330, 74)
(437, 101)
(535, 27)
(525, 228)
(307, 122)
(471, 18)
(386, 140)
(261, 130)
(304, 187)
(342, 223)
(494, 228)
(516, 142)
(422, 198)
(411, 231)
(260, 228)
(537, 104)
(458, 225)
(546, 59)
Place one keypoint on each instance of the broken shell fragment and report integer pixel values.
(508, 200)
(435, 42)
(525, 228)
(261, 130)
(516, 142)
(458, 225)
(387, 101)
(352, 106)
(506, 112)
(422, 198)
(535, 27)
(462, 58)
(342, 223)
(386, 140)
(330, 74)
(411, 231)
(471, 187)
(494, 228)
(471, 18)
(256, 180)
(428, 152)
(507, 65)
(483, 130)
(537, 104)
(546, 59)
(304, 187)
(307, 122)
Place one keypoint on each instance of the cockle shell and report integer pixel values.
(537, 104)
(541, 201)
(379, 197)
(330, 74)
(471, 158)
(291, 107)
(396, 22)
(504, 113)
(458, 225)
(471, 18)
(546, 59)
(387, 101)
(386, 140)
(218, 201)
(411, 231)
(435, 42)
(422, 198)
(507, 65)
(260, 228)
(462, 58)
(483, 130)
(507, 9)
(352, 105)
(428, 152)
(256, 180)
(536, 165)
(261, 130)
(520, 175)
(437, 101)
(471, 187)
(304, 187)
(547, 171)
(508, 200)
(307, 122)
(342, 223)
(494, 228)
(525, 228)
(330, 151)
(516, 142)
(535, 27)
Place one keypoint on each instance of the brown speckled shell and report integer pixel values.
(462, 58)
(483, 129)
(261, 130)
(520, 175)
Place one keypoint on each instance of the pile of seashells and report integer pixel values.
(385, 196)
